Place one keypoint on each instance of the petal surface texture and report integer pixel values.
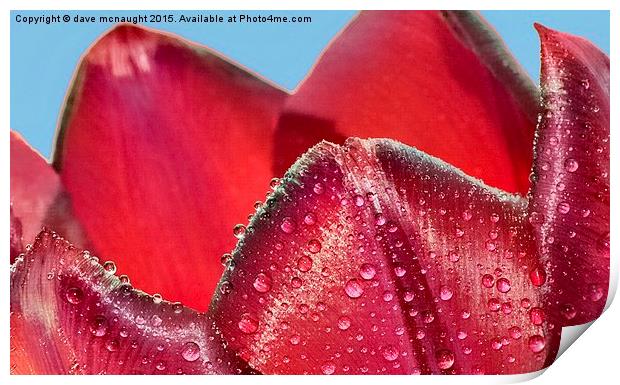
(570, 200)
(375, 258)
(37, 196)
(162, 139)
(71, 315)
(440, 81)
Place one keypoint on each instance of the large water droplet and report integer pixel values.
(262, 283)
(328, 368)
(538, 276)
(354, 288)
(563, 207)
(110, 267)
(503, 285)
(239, 231)
(367, 271)
(568, 311)
(571, 165)
(304, 263)
(344, 323)
(536, 343)
(445, 359)
(309, 219)
(191, 351)
(390, 353)
(287, 225)
(248, 324)
(445, 293)
(314, 246)
(487, 281)
(99, 326)
(537, 316)
(74, 295)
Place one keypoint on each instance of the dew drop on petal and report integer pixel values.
(304, 263)
(536, 343)
(99, 326)
(515, 332)
(538, 276)
(390, 353)
(314, 246)
(358, 200)
(571, 165)
(445, 359)
(191, 351)
(239, 231)
(328, 368)
(287, 225)
(353, 288)
(318, 188)
(445, 293)
(262, 283)
(74, 295)
(380, 219)
(248, 324)
(309, 219)
(537, 316)
(503, 285)
(568, 311)
(563, 207)
(344, 323)
(367, 271)
(487, 281)
(110, 267)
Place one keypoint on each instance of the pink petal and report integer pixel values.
(376, 258)
(37, 197)
(70, 315)
(440, 81)
(570, 201)
(164, 140)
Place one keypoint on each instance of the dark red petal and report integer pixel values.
(440, 81)
(70, 315)
(163, 139)
(570, 198)
(17, 246)
(376, 258)
(37, 197)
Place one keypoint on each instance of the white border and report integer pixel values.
(593, 358)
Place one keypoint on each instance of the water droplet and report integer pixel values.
(309, 219)
(515, 332)
(248, 324)
(295, 339)
(328, 368)
(304, 263)
(467, 215)
(287, 225)
(380, 219)
(490, 245)
(296, 282)
(487, 281)
(225, 287)
(110, 267)
(568, 311)
(496, 344)
(494, 217)
(538, 276)
(112, 345)
(157, 298)
(161, 365)
(390, 353)
(262, 283)
(445, 359)
(239, 231)
(445, 293)
(318, 188)
(344, 323)
(191, 351)
(367, 271)
(274, 183)
(536, 343)
(596, 293)
(537, 316)
(74, 295)
(123, 278)
(454, 256)
(571, 165)
(354, 288)
(156, 320)
(400, 271)
(358, 200)
(314, 246)
(563, 207)
(494, 304)
(99, 326)
(503, 285)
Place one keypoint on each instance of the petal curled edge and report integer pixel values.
(17, 246)
(163, 138)
(37, 196)
(440, 81)
(570, 198)
(69, 315)
(376, 258)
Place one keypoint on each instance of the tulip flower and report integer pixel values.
(436, 215)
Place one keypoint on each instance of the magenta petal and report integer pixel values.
(376, 258)
(71, 315)
(570, 198)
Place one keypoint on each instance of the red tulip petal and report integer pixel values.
(71, 315)
(17, 246)
(440, 81)
(376, 258)
(570, 201)
(163, 139)
(37, 197)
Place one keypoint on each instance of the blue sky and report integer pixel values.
(43, 57)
